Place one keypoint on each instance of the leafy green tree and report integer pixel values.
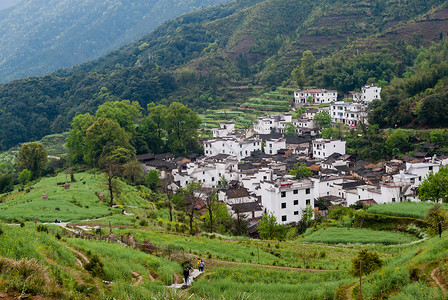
(154, 127)
(308, 61)
(182, 126)
(305, 221)
(193, 198)
(269, 229)
(322, 119)
(33, 157)
(366, 262)
(153, 179)
(435, 186)
(221, 218)
(25, 176)
(76, 140)
(301, 171)
(290, 129)
(298, 76)
(398, 141)
(103, 137)
(7, 183)
(436, 215)
(133, 172)
(123, 112)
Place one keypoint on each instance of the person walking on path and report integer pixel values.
(201, 266)
(186, 275)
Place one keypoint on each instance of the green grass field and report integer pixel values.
(358, 236)
(404, 209)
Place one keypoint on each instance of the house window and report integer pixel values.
(295, 192)
(296, 202)
(284, 205)
(430, 168)
(308, 201)
(283, 218)
(283, 194)
(296, 213)
(203, 172)
(265, 177)
(412, 180)
(213, 178)
(393, 199)
(307, 191)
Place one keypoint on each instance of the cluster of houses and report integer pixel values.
(251, 169)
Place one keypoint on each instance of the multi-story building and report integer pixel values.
(350, 114)
(323, 148)
(224, 129)
(368, 94)
(287, 199)
(274, 123)
(240, 148)
(317, 96)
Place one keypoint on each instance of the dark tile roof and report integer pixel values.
(239, 192)
(295, 139)
(145, 157)
(247, 207)
(265, 137)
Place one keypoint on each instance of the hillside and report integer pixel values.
(206, 58)
(100, 252)
(40, 36)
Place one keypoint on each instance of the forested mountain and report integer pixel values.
(8, 3)
(40, 36)
(193, 58)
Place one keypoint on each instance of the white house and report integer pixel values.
(323, 148)
(350, 114)
(268, 124)
(318, 96)
(273, 145)
(287, 199)
(224, 129)
(240, 148)
(368, 94)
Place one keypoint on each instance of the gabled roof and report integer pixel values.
(246, 207)
(238, 192)
(295, 139)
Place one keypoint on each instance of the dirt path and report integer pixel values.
(437, 280)
(79, 254)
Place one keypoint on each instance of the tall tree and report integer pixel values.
(153, 127)
(182, 126)
(193, 199)
(103, 137)
(435, 186)
(308, 60)
(33, 157)
(322, 119)
(76, 140)
(123, 112)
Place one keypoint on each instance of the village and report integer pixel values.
(251, 168)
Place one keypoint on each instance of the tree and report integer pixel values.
(133, 172)
(103, 137)
(182, 126)
(298, 76)
(369, 261)
(25, 176)
(322, 119)
(33, 157)
(435, 186)
(290, 129)
(301, 171)
(76, 140)
(154, 127)
(166, 183)
(211, 202)
(153, 179)
(307, 216)
(308, 60)
(6, 183)
(123, 112)
(436, 220)
(397, 142)
(268, 228)
(193, 199)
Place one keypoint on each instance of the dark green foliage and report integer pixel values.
(32, 157)
(436, 219)
(366, 262)
(6, 183)
(42, 228)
